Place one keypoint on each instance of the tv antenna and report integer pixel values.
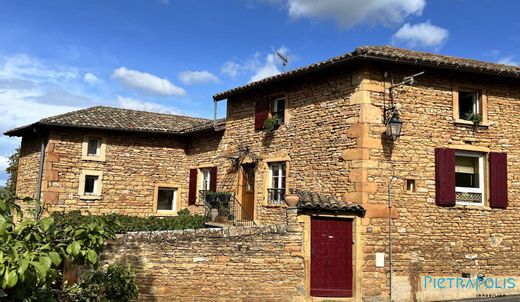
(284, 58)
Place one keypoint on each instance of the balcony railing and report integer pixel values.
(226, 208)
(276, 196)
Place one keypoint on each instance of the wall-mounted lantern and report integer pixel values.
(394, 126)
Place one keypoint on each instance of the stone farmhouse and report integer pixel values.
(406, 164)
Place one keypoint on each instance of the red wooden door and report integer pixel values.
(331, 257)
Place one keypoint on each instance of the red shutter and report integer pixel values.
(192, 190)
(261, 113)
(445, 177)
(213, 179)
(498, 180)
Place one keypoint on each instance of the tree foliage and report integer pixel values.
(31, 252)
(12, 171)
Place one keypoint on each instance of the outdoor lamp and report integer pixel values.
(393, 126)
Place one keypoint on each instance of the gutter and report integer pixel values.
(43, 144)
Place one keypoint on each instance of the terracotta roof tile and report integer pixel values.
(316, 201)
(386, 53)
(109, 118)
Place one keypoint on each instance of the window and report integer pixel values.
(205, 179)
(90, 184)
(276, 190)
(166, 199)
(278, 109)
(469, 178)
(410, 185)
(93, 148)
(469, 104)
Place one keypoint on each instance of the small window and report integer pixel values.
(469, 178)
(276, 190)
(469, 104)
(410, 185)
(91, 183)
(166, 199)
(205, 179)
(94, 147)
(278, 109)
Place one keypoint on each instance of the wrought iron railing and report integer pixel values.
(225, 208)
(276, 196)
(468, 197)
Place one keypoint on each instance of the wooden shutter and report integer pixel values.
(213, 179)
(192, 190)
(261, 113)
(445, 177)
(498, 180)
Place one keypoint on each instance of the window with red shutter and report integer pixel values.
(213, 179)
(445, 177)
(498, 180)
(192, 189)
(261, 113)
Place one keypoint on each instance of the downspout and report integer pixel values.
(214, 113)
(390, 243)
(43, 143)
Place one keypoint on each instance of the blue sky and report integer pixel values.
(172, 56)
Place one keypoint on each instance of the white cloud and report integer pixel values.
(4, 162)
(190, 77)
(256, 67)
(17, 108)
(348, 13)
(509, 60)
(421, 35)
(90, 78)
(146, 82)
(269, 67)
(266, 70)
(136, 104)
(230, 68)
(22, 66)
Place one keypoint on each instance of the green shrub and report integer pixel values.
(122, 223)
(117, 283)
(31, 252)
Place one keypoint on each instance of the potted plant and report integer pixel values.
(223, 197)
(270, 124)
(475, 118)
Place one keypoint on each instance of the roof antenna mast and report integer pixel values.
(284, 58)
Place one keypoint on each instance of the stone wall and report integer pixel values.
(236, 264)
(430, 240)
(133, 167)
(318, 117)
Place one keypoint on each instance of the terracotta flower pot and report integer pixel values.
(292, 200)
(213, 214)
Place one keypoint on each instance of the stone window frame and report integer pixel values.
(200, 168)
(483, 104)
(177, 199)
(485, 153)
(266, 179)
(102, 148)
(99, 185)
(272, 99)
